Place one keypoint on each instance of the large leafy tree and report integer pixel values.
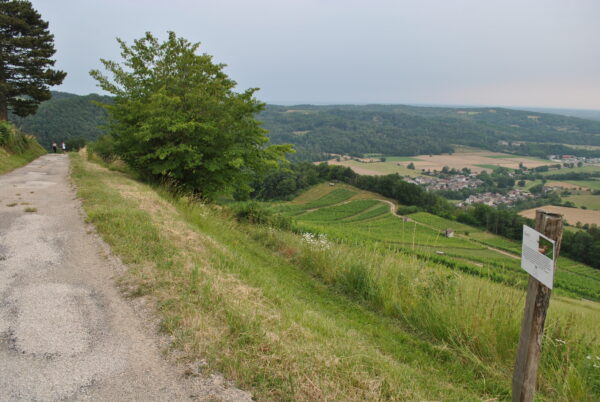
(26, 48)
(177, 117)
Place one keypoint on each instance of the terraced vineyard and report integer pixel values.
(353, 216)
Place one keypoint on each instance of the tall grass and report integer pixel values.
(297, 316)
(16, 148)
(478, 319)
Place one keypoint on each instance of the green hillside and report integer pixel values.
(355, 216)
(357, 130)
(16, 148)
(65, 117)
(318, 316)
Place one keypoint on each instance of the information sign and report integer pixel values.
(537, 256)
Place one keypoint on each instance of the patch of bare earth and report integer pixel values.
(571, 215)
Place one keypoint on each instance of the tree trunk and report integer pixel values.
(3, 110)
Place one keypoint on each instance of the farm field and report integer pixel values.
(590, 184)
(477, 161)
(588, 201)
(583, 169)
(358, 219)
(571, 215)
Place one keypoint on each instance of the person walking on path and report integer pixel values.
(64, 147)
(53, 146)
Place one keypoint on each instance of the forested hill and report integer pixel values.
(358, 129)
(65, 117)
(411, 130)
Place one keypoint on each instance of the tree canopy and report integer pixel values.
(177, 117)
(26, 48)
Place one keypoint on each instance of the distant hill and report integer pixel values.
(358, 129)
(411, 130)
(589, 114)
(65, 117)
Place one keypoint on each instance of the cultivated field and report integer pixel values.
(477, 161)
(356, 216)
(588, 201)
(571, 215)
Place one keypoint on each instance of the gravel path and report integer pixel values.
(65, 331)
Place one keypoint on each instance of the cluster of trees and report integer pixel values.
(315, 132)
(583, 245)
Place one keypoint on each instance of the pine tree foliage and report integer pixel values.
(26, 48)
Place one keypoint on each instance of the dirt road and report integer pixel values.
(66, 333)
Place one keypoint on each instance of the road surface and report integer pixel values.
(66, 333)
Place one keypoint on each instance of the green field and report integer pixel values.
(358, 221)
(591, 184)
(401, 159)
(588, 201)
(583, 169)
(487, 166)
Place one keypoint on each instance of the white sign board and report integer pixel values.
(537, 256)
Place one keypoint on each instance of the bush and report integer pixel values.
(104, 147)
(255, 213)
(404, 210)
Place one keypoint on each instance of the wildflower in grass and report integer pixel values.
(588, 357)
(560, 341)
(316, 240)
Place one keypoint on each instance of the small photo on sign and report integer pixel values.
(545, 247)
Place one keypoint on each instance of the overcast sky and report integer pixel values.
(542, 53)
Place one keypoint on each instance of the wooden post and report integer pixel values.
(536, 305)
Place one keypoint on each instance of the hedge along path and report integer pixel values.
(295, 342)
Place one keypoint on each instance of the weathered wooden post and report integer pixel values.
(536, 306)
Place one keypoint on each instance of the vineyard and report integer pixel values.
(353, 216)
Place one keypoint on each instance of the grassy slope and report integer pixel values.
(295, 321)
(468, 250)
(256, 316)
(16, 149)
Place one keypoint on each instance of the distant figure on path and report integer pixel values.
(54, 147)
(64, 147)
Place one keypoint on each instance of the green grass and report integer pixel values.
(588, 201)
(583, 169)
(591, 184)
(9, 161)
(335, 213)
(334, 197)
(467, 251)
(293, 320)
(16, 149)
(488, 166)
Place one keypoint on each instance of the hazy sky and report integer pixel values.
(468, 52)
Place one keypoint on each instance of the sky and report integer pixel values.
(537, 53)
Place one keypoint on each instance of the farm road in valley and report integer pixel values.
(66, 333)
